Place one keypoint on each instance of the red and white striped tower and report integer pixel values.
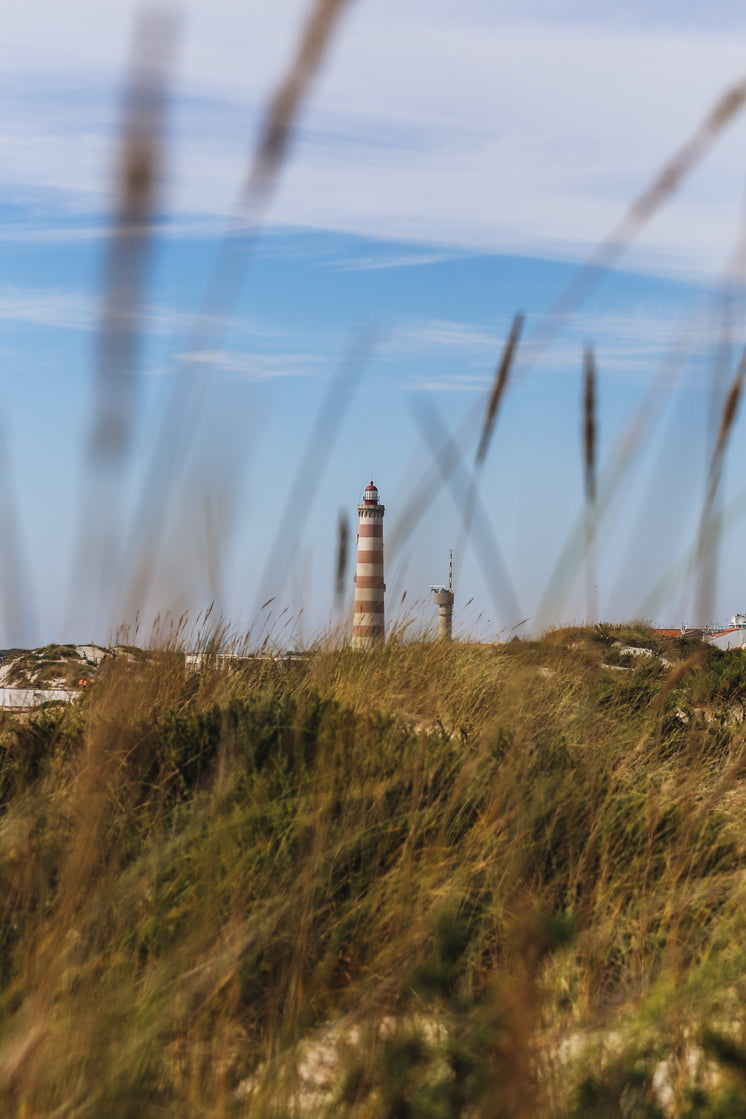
(368, 616)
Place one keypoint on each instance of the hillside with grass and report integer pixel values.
(433, 880)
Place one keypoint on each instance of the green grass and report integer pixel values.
(430, 880)
(52, 666)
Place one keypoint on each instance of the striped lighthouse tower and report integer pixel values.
(368, 618)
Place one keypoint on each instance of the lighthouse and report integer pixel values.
(368, 617)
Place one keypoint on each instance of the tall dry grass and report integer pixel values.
(434, 880)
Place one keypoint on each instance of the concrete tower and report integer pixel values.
(443, 599)
(368, 617)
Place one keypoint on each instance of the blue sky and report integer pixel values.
(453, 164)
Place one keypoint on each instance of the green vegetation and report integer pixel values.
(428, 881)
(51, 667)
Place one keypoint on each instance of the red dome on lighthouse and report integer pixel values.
(371, 494)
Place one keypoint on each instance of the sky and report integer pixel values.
(452, 165)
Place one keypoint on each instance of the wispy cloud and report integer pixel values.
(65, 309)
(72, 231)
(629, 343)
(436, 333)
(52, 307)
(255, 366)
(510, 154)
(461, 382)
(391, 260)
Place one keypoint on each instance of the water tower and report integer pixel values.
(368, 615)
(443, 599)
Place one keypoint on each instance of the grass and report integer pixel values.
(50, 667)
(428, 881)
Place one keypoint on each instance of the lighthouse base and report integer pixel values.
(369, 640)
